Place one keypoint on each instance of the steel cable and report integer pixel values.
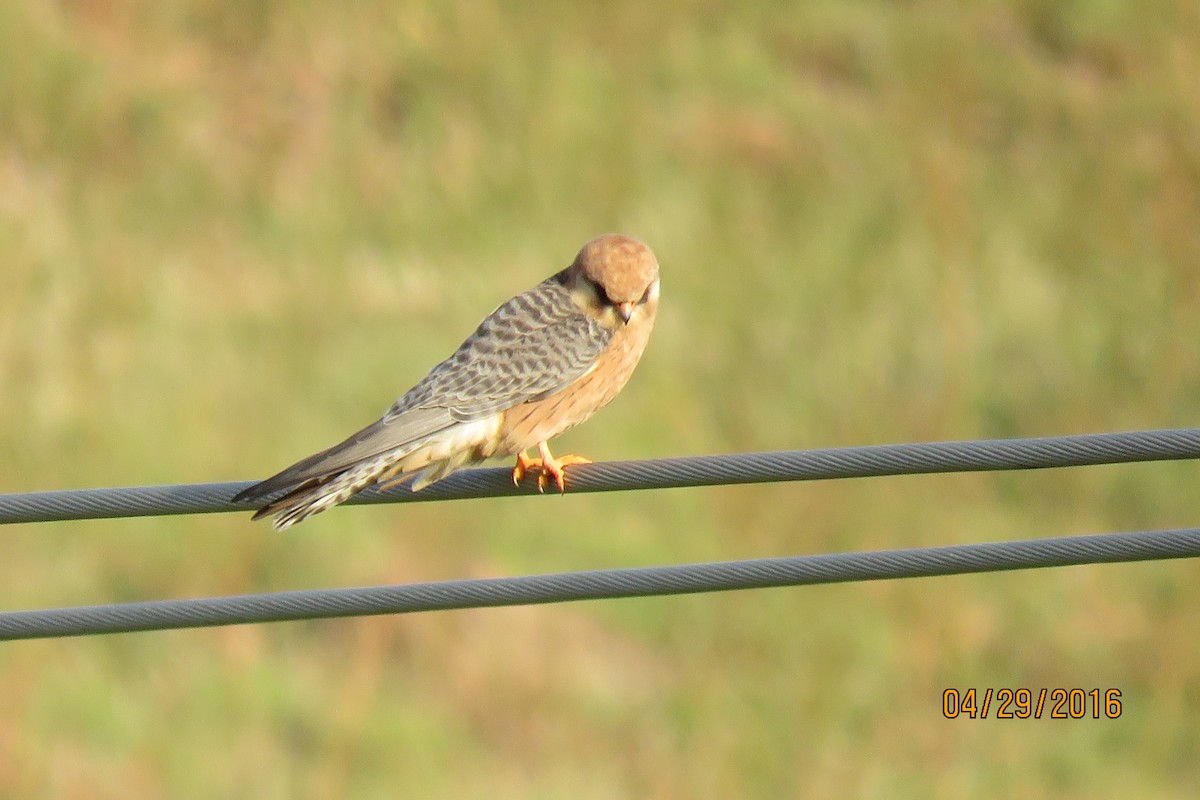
(601, 584)
(709, 470)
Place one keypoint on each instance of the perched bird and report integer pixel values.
(541, 363)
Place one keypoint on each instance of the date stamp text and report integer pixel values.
(1031, 703)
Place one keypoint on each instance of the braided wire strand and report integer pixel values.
(601, 584)
(662, 473)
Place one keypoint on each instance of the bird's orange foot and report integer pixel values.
(546, 467)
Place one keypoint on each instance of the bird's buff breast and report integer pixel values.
(529, 423)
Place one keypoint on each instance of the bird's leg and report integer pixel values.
(546, 467)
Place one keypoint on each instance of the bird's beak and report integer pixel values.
(625, 310)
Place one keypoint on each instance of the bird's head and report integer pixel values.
(615, 279)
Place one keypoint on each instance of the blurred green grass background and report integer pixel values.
(230, 233)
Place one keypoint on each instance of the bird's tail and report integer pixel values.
(319, 494)
(316, 493)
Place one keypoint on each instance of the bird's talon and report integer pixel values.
(522, 467)
(546, 468)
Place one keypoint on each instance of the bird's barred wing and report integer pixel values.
(529, 348)
(534, 345)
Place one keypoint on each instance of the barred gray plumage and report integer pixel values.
(528, 348)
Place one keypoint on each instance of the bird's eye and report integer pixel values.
(601, 294)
